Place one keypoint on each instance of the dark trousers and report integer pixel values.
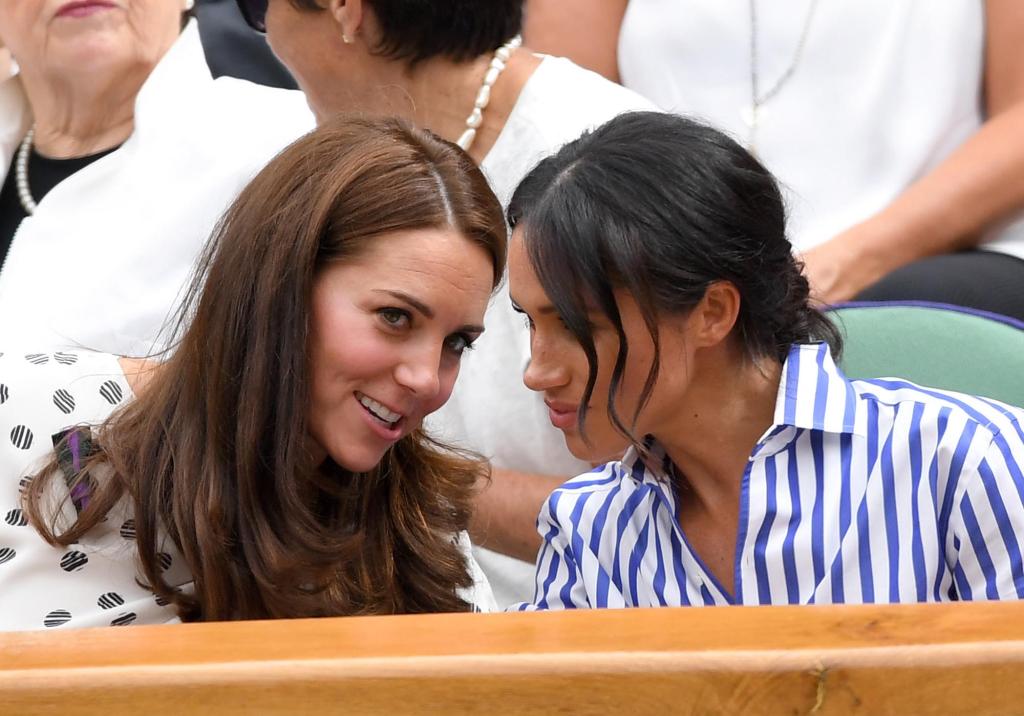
(984, 280)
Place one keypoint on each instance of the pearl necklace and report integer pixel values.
(483, 97)
(21, 173)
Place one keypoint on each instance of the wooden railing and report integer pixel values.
(940, 659)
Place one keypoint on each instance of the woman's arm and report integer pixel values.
(505, 512)
(585, 31)
(951, 207)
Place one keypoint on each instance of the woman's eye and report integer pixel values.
(394, 317)
(524, 314)
(459, 343)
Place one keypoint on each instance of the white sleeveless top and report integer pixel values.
(885, 90)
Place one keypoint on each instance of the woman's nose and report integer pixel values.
(544, 371)
(420, 373)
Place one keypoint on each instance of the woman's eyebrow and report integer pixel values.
(411, 300)
(544, 310)
(424, 309)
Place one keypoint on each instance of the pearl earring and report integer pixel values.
(347, 39)
(189, 4)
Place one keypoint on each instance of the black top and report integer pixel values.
(43, 174)
(235, 50)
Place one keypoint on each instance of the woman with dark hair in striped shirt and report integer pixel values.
(670, 322)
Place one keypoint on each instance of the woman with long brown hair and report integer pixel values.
(274, 465)
(456, 67)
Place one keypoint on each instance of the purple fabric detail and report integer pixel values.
(76, 458)
(997, 317)
(80, 493)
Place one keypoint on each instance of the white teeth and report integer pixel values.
(379, 410)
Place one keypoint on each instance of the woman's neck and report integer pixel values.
(437, 94)
(730, 404)
(83, 117)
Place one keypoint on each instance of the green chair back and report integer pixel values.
(935, 345)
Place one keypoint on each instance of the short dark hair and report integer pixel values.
(663, 206)
(417, 30)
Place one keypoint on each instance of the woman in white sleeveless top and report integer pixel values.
(896, 126)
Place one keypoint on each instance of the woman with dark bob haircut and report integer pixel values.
(274, 465)
(672, 336)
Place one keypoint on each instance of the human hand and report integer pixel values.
(842, 267)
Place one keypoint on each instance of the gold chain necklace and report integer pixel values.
(751, 114)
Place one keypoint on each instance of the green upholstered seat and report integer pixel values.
(935, 345)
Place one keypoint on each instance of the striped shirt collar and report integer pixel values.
(813, 395)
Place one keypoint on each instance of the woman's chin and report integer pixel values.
(358, 461)
(594, 453)
(95, 55)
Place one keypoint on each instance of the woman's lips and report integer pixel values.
(389, 432)
(83, 8)
(562, 415)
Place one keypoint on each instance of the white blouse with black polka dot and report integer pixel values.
(93, 582)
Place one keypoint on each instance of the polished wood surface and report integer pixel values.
(952, 658)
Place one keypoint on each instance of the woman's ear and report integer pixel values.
(713, 318)
(349, 16)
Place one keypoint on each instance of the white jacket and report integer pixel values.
(103, 260)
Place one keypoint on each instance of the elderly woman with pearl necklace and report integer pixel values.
(119, 152)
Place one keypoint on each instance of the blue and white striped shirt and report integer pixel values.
(861, 491)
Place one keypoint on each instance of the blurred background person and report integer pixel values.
(896, 127)
(120, 152)
(455, 67)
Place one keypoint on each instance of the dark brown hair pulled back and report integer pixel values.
(663, 206)
(214, 455)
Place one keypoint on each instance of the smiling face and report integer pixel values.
(559, 368)
(57, 40)
(388, 329)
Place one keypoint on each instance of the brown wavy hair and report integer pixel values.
(214, 454)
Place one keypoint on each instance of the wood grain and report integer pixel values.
(951, 658)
